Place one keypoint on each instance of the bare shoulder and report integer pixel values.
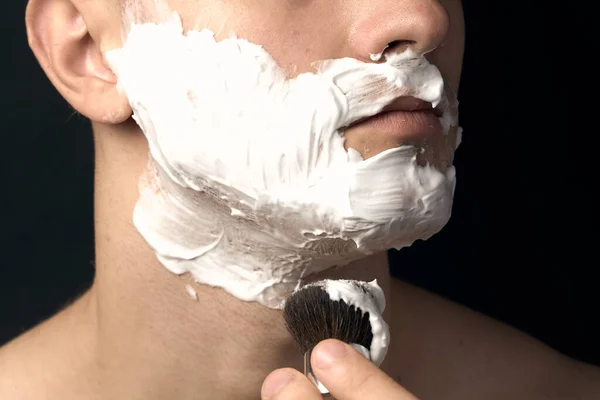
(9, 382)
(44, 361)
(21, 371)
(441, 350)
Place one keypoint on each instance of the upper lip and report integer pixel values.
(411, 104)
(406, 103)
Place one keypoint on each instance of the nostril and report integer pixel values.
(396, 46)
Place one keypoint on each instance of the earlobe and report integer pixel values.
(73, 61)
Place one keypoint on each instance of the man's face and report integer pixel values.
(282, 135)
(299, 33)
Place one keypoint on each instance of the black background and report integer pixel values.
(511, 249)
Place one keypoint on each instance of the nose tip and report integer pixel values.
(421, 25)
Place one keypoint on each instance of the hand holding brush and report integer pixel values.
(346, 373)
(350, 313)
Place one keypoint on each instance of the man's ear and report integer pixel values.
(73, 60)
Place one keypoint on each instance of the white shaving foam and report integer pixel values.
(191, 292)
(249, 187)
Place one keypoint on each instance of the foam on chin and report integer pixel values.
(249, 187)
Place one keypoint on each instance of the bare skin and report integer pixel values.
(137, 334)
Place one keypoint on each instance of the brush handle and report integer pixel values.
(308, 371)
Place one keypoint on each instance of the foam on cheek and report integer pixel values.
(249, 187)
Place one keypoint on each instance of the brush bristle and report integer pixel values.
(311, 316)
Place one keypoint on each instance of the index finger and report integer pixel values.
(350, 376)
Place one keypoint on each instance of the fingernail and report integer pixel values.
(327, 353)
(275, 383)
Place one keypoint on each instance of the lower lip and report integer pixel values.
(403, 126)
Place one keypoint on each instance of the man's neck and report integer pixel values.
(133, 338)
(138, 333)
(161, 343)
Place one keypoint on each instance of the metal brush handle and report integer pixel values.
(308, 371)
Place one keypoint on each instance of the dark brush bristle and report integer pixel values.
(311, 316)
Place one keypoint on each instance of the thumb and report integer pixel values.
(350, 376)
